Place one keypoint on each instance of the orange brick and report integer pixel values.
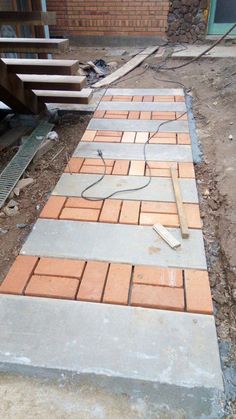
(160, 207)
(162, 164)
(88, 135)
(74, 165)
(93, 281)
(186, 170)
(106, 98)
(158, 276)
(183, 138)
(60, 267)
(83, 203)
(107, 139)
(148, 98)
(123, 98)
(137, 98)
(82, 214)
(159, 172)
(110, 133)
(52, 287)
(170, 135)
(193, 215)
(53, 207)
(162, 140)
(118, 283)
(168, 220)
(137, 168)
(99, 114)
(98, 162)
(110, 211)
(145, 115)
(134, 115)
(18, 275)
(164, 98)
(130, 212)
(198, 293)
(95, 169)
(121, 167)
(115, 116)
(169, 116)
(181, 116)
(117, 113)
(128, 137)
(141, 137)
(179, 99)
(165, 298)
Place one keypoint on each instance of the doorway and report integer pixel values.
(222, 16)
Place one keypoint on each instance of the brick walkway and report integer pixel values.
(104, 279)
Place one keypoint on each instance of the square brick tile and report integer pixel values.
(128, 137)
(137, 168)
(53, 207)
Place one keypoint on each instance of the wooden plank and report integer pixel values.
(179, 203)
(167, 236)
(53, 96)
(13, 93)
(127, 67)
(27, 18)
(49, 82)
(35, 45)
(35, 66)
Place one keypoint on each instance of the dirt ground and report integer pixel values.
(213, 86)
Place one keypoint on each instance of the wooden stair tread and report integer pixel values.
(46, 82)
(33, 45)
(41, 66)
(64, 96)
(28, 18)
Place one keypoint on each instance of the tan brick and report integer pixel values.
(52, 287)
(60, 267)
(145, 115)
(93, 281)
(168, 220)
(110, 211)
(88, 135)
(53, 207)
(158, 276)
(121, 167)
(165, 298)
(99, 114)
(183, 138)
(18, 275)
(83, 203)
(137, 168)
(118, 283)
(74, 165)
(134, 115)
(186, 170)
(130, 212)
(198, 293)
(160, 207)
(128, 137)
(141, 137)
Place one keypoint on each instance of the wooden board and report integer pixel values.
(127, 67)
(35, 45)
(179, 203)
(53, 96)
(47, 82)
(35, 66)
(27, 18)
(167, 236)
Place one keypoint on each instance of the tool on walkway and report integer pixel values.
(179, 203)
(167, 236)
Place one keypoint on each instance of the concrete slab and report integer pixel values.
(220, 51)
(113, 341)
(123, 151)
(143, 106)
(160, 189)
(137, 125)
(114, 243)
(144, 92)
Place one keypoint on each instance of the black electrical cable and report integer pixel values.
(100, 154)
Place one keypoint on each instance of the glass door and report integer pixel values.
(222, 16)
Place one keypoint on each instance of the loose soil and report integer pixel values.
(213, 86)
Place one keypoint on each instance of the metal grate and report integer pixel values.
(13, 171)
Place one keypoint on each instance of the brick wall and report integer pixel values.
(110, 17)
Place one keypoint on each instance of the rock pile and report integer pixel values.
(187, 20)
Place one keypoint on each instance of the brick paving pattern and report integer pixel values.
(109, 282)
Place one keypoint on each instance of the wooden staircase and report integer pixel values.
(27, 84)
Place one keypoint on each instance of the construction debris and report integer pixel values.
(22, 184)
(11, 208)
(167, 236)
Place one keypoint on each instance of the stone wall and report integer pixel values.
(187, 20)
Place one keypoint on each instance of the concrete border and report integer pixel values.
(137, 125)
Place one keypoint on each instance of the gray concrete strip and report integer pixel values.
(143, 106)
(114, 243)
(123, 151)
(137, 125)
(144, 92)
(160, 189)
(161, 347)
(219, 51)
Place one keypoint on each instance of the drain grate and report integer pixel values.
(13, 171)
